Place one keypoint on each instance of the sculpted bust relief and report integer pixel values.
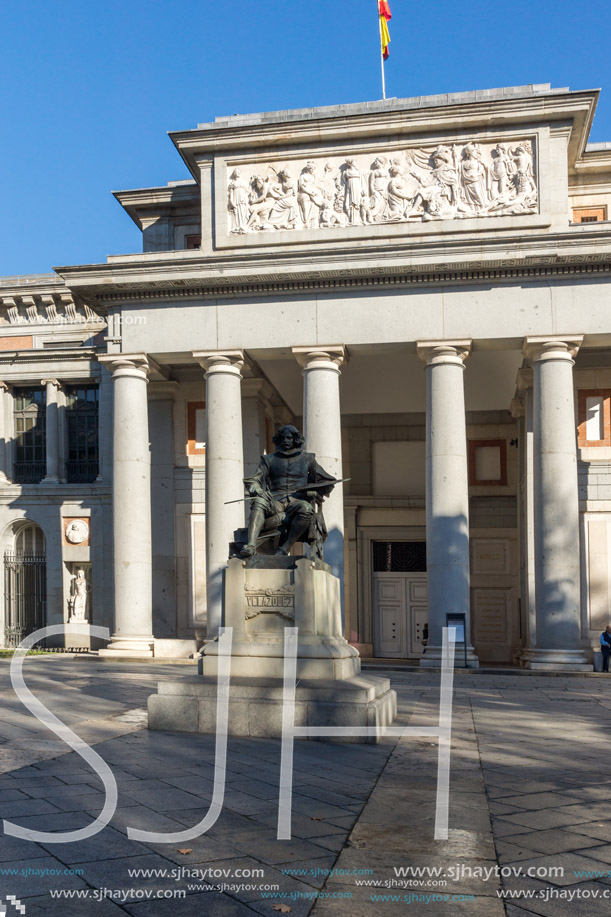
(77, 531)
(450, 182)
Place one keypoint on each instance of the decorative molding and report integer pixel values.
(59, 309)
(419, 184)
(339, 280)
(47, 356)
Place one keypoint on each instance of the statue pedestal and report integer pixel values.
(75, 636)
(264, 595)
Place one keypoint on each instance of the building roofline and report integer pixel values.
(530, 90)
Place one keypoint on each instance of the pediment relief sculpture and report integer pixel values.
(448, 182)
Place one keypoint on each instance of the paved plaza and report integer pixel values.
(529, 790)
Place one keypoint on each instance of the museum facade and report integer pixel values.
(422, 286)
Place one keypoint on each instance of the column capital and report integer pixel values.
(137, 365)
(552, 347)
(319, 354)
(4, 387)
(54, 382)
(223, 361)
(435, 352)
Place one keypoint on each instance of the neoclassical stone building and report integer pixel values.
(423, 285)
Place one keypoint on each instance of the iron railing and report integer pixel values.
(82, 472)
(25, 595)
(29, 472)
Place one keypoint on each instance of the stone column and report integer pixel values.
(4, 476)
(447, 493)
(323, 436)
(556, 507)
(52, 431)
(522, 410)
(131, 504)
(224, 470)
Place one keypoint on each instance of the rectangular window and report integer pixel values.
(196, 428)
(594, 406)
(82, 432)
(589, 214)
(29, 411)
(399, 556)
(193, 241)
(488, 461)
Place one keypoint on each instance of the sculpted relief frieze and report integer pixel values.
(448, 182)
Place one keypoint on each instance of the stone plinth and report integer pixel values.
(264, 596)
(255, 705)
(76, 636)
(260, 602)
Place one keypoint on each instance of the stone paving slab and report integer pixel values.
(522, 795)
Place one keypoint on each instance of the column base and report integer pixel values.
(542, 660)
(129, 648)
(432, 658)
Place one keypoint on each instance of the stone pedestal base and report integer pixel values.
(255, 705)
(128, 648)
(432, 657)
(330, 657)
(542, 660)
(75, 635)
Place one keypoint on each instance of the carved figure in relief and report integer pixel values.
(445, 172)
(500, 171)
(285, 209)
(353, 188)
(328, 190)
(400, 192)
(260, 202)
(473, 175)
(238, 202)
(77, 603)
(309, 196)
(288, 489)
(378, 189)
(524, 179)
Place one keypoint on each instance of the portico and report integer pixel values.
(445, 347)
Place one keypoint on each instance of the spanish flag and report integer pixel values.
(385, 16)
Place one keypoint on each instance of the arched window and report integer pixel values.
(29, 539)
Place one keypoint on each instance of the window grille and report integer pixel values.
(82, 431)
(30, 435)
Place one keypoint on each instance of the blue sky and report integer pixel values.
(90, 89)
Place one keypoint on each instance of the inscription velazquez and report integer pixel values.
(279, 601)
(270, 601)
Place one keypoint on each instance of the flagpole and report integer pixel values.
(381, 53)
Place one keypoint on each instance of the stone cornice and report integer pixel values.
(13, 357)
(581, 250)
(404, 118)
(133, 293)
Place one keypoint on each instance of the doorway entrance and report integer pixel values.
(399, 598)
(25, 585)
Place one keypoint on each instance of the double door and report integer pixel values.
(400, 614)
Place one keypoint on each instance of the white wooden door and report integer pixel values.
(400, 613)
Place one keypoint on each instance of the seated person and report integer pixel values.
(282, 487)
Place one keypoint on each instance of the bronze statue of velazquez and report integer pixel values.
(288, 489)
